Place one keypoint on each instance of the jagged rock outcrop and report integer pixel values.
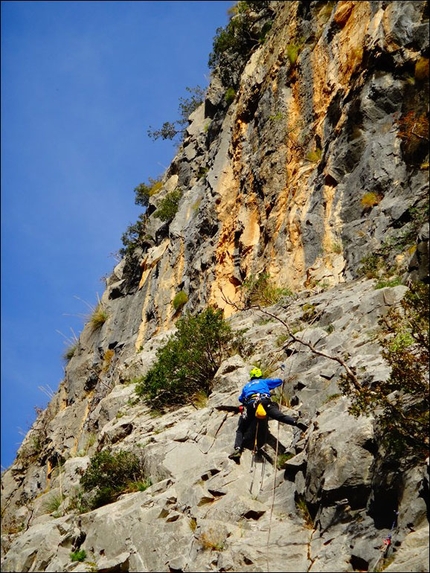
(315, 173)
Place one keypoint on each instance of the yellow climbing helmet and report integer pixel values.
(255, 373)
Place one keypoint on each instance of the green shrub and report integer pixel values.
(303, 510)
(53, 503)
(171, 129)
(231, 39)
(187, 363)
(233, 44)
(109, 475)
(78, 555)
(371, 266)
(169, 206)
(140, 485)
(202, 172)
(229, 95)
(144, 191)
(309, 312)
(264, 31)
(370, 199)
(179, 300)
(388, 283)
(132, 235)
(314, 156)
(283, 459)
(278, 116)
(292, 53)
(260, 290)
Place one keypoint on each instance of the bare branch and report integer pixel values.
(294, 338)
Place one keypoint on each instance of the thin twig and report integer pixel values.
(311, 347)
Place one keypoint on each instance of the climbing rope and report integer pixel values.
(275, 466)
(253, 459)
(254, 463)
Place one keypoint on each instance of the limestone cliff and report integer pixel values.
(311, 170)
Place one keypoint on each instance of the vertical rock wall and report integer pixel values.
(319, 162)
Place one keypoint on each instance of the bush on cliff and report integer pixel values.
(189, 360)
(401, 403)
(169, 205)
(144, 191)
(240, 35)
(171, 129)
(261, 290)
(109, 475)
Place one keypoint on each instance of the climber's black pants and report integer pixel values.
(246, 428)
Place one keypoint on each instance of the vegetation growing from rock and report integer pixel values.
(130, 238)
(70, 351)
(134, 232)
(370, 199)
(172, 129)
(338, 459)
(229, 95)
(401, 404)
(212, 539)
(144, 191)
(382, 262)
(179, 300)
(169, 206)
(187, 363)
(79, 555)
(99, 316)
(261, 289)
(414, 133)
(53, 503)
(108, 476)
(233, 43)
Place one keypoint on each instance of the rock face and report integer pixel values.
(317, 175)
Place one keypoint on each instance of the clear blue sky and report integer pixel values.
(81, 83)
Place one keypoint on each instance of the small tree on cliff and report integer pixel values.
(401, 403)
(189, 360)
(171, 129)
(233, 44)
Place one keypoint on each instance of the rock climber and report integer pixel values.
(257, 391)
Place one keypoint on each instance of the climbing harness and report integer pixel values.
(255, 398)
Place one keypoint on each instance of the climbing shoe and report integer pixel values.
(235, 455)
(303, 427)
(258, 455)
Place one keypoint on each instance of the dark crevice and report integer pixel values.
(359, 564)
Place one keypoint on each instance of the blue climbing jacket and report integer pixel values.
(258, 386)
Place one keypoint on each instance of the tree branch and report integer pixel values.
(294, 338)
